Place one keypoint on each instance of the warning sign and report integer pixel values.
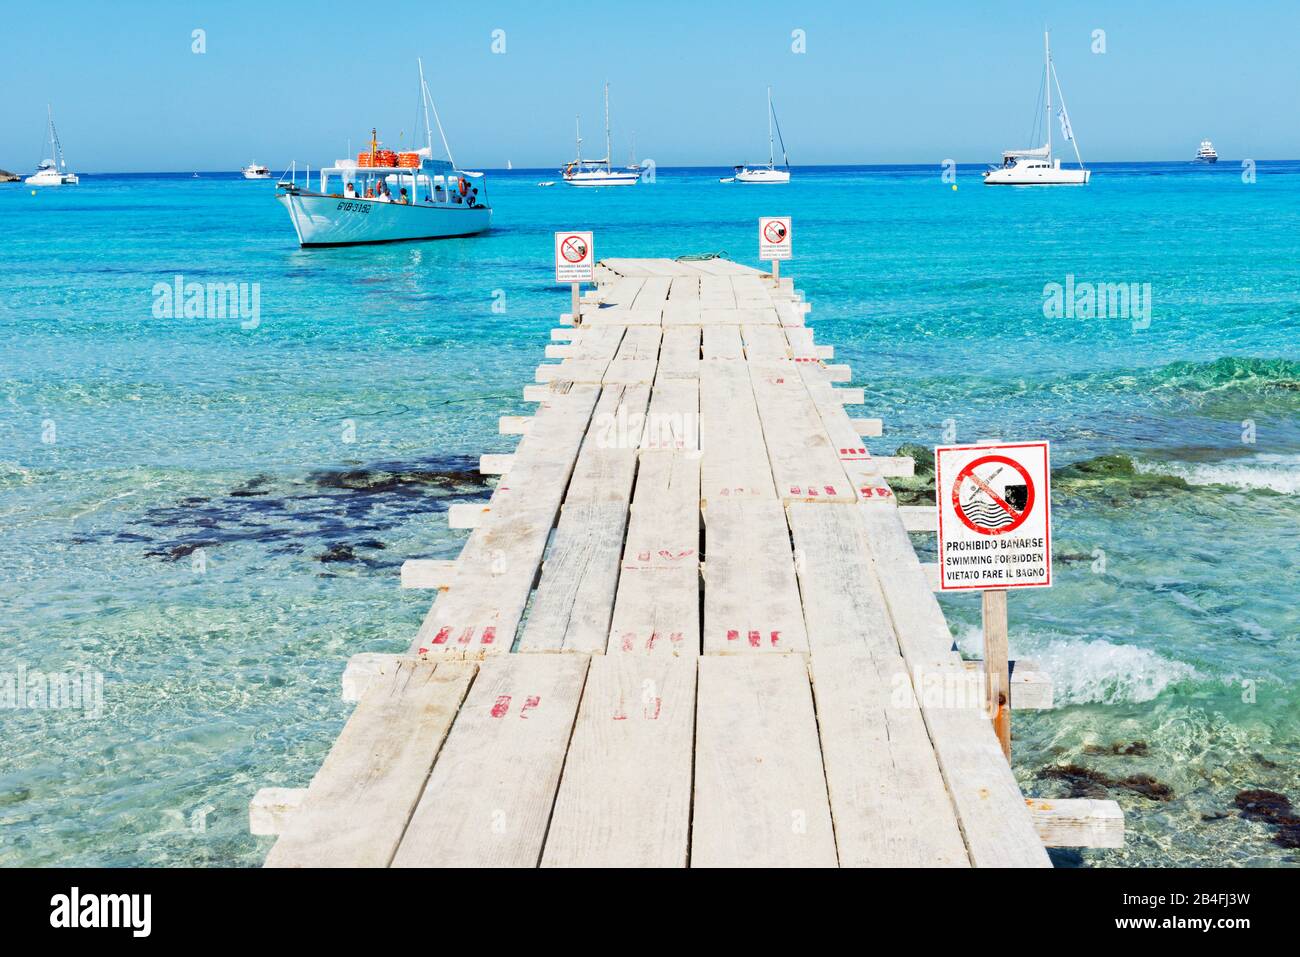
(575, 257)
(774, 233)
(995, 523)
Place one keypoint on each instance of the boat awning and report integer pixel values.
(427, 166)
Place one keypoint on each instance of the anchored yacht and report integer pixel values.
(769, 173)
(1037, 166)
(389, 196)
(256, 171)
(1207, 154)
(52, 171)
(597, 172)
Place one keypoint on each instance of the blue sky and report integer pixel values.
(891, 82)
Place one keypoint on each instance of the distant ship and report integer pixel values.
(1037, 166)
(1206, 153)
(256, 171)
(53, 171)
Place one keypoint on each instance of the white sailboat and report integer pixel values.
(600, 172)
(388, 196)
(769, 173)
(52, 171)
(1037, 166)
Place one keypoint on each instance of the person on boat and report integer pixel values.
(473, 197)
(382, 194)
(401, 197)
(370, 192)
(350, 191)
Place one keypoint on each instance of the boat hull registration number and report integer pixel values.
(348, 206)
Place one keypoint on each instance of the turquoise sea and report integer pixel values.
(212, 513)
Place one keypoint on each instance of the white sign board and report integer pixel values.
(774, 236)
(575, 257)
(995, 515)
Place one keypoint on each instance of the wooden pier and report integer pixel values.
(688, 629)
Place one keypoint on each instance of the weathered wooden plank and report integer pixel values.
(571, 608)
(887, 797)
(673, 421)
(653, 293)
(1077, 822)
(751, 598)
(679, 355)
(731, 436)
(765, 343)
(428, 573)
(685, 288)
(357, 806)
(990, 807)
(760, 790)
(490, 795)
(723, 342)
(716, 292)
(805, 465)
(500, 561)
(625, 796)
(271, 808)
(657, 608)
(738, 316)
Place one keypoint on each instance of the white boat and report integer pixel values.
(1207, 153)
(769, 173)
(390, 197)
(585, 172)
(52, 171)
(256, 171)
(1037, 166)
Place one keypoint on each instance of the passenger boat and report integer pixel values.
(385, 196)
(256, 171)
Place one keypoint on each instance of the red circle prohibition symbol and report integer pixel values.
(1017, 517)
(774, 231)
(573, 249)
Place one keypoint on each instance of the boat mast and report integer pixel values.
(607, 152)
(1047, 83)
(424, 100)
(428, 102)
(577, 129)
(1074, 140)
(771, 149)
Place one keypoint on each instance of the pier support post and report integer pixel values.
(776, 271)
(997, 668)
(577, 294)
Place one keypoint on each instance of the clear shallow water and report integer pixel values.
(171, 534)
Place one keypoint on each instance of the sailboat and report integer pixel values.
(583, 172)
(53, 171)
(768, 173)
(1037, 166)
(632, 164)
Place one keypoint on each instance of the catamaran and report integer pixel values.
(768, 173)
(1037, 166)
(256, 171)
(598, 172)
(389, 196)
(52, 171)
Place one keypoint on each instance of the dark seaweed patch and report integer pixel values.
(1133, 748)
(1273, 808)
(1090, 783)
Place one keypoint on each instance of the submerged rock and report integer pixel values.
(1133, 748)
(1090, 783)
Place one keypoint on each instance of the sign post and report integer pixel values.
(774, 240)
(575, 263)
(995, 533)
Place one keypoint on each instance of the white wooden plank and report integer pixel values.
(751, 598)
(919, 518)
(738, 316)
(657, 608)
(673, 421)
(765, 343)
(760, 790)
(572, 605)
(679, 355)
(805, 464)
(500, 561)
(990, 807)
(490, 794)
(428, 573)
(653, 293)
(888, 799)
(731, 436)
(1077, 822)
(271, 808)
(723, 342)
(357, 806)
(625, 795)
